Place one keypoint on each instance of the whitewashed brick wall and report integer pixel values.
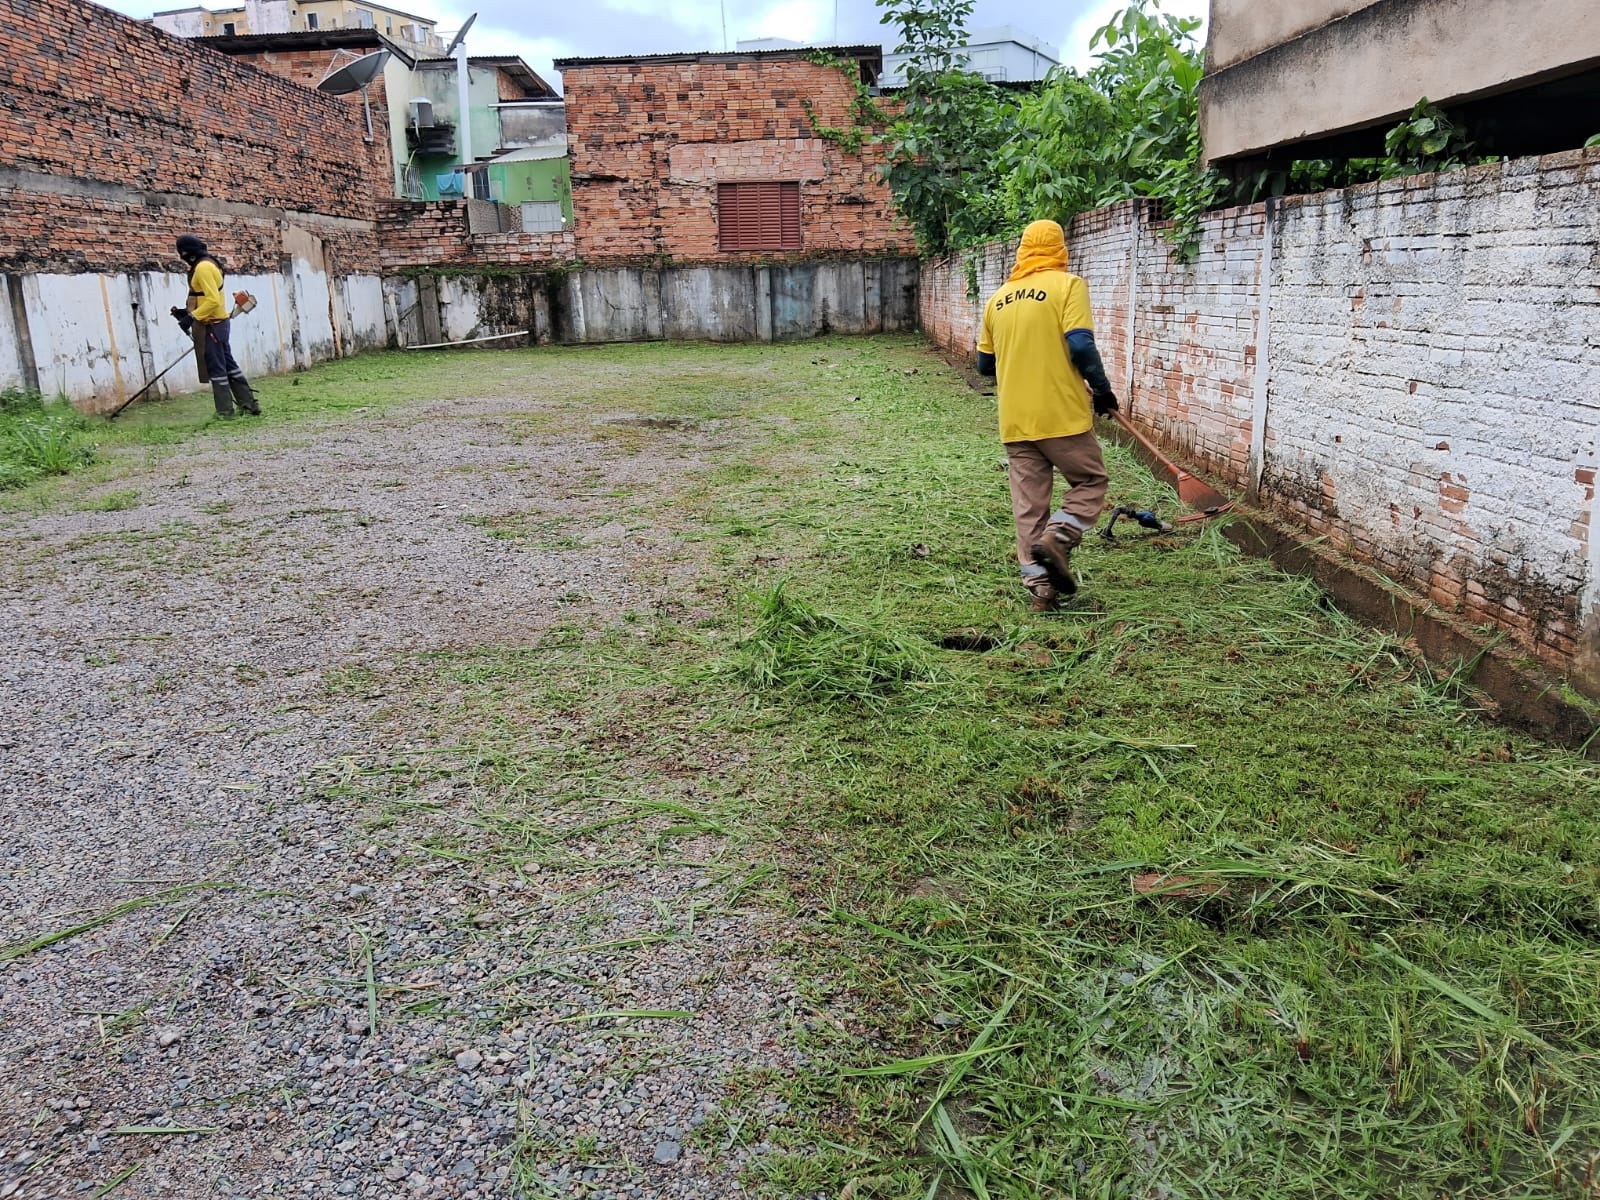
(1432, 385)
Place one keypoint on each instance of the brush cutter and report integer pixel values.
(1142, 515)
(243, 302)
(1195, 493)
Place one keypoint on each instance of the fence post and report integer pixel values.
(26, 363)
(1259, 402)
(1133, 303)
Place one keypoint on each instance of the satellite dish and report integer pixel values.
(355, 76)
(460, 34)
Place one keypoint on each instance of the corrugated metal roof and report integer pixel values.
(309, 39)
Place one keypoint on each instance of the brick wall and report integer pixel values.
(1435, 387)
(1430, 398)
(650, 141)
(435, 234)
(309, 68)
(105, 115)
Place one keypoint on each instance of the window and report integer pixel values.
(758, 216)
(363, 19)
(311, 20)
(227, 29)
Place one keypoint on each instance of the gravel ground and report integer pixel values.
(169, 724)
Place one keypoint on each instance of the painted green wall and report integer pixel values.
(543, 179)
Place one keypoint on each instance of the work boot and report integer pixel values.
(1043, 597)
(1054, 554)
(244, 395)
(222, 396)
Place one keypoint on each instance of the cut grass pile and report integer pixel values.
(798, 651)
(1198, 889)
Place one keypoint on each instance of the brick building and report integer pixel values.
(717, 158)
(517, 121)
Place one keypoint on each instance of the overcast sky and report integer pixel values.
(602, 27)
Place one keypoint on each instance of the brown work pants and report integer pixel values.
(1031, 466)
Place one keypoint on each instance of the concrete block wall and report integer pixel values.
(1430, 389)
(651, 140)
(732, 303)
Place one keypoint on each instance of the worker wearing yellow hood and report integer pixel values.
(1037, 339)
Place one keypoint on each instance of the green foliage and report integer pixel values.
(39, 439)
(1427, 140)
(942, 166)
(968, 164)
(865, 115)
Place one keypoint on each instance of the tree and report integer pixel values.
(942, 165)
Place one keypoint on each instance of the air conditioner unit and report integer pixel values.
(432, 139)
(421, 113)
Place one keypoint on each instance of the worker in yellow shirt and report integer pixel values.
(206, 317)
(1038, 341)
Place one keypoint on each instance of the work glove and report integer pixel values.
(184, 318)
(1105, 403)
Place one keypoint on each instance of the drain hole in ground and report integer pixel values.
(966, 639)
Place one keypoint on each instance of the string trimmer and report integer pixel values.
(243, 302)
(1142, 515)
(1195, 493)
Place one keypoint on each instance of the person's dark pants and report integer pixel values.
(228, 384)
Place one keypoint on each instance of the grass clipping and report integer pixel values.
(799, 652)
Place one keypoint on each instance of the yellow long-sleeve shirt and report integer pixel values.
(206, 301)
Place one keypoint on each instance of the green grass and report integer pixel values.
(1376, 972)
(39, 439)
(1363, 958)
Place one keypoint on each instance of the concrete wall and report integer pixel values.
(628, 304)
(96, 338)
(1241, 29)
(1297, 70)
(1407, 367)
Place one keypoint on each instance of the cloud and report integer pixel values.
(612, 27)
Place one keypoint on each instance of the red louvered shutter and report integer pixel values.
(758, 216)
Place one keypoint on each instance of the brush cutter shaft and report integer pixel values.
(243, 303)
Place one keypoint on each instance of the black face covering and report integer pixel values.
(190, 248)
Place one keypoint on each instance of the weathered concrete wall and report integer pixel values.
(1295, 70)
(629, 304)
(96, 338)
(1240, 29)
(1411, 368)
